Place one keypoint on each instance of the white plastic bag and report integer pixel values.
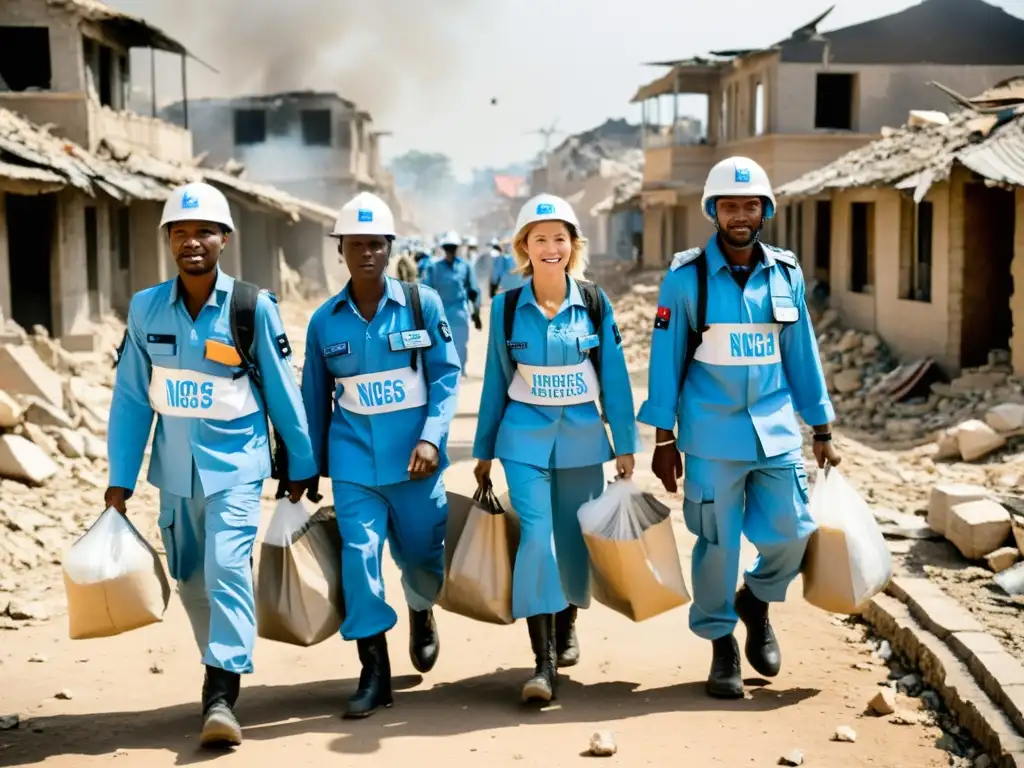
(634, 562)
(847, 561)
(113, 579)
(288, 520)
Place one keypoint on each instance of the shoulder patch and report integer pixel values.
(685, 257)
(283, 347)
(444, 330)
(270, 295)
(617, 334)
(781, 254)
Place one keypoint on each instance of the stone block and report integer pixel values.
(24, 461)
(1006, 417)
(977, 439)
(11, 411)
(1002, 558)
(977, 528)
(945, 497)
(23, 373)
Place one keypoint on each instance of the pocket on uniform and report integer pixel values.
(699, 511)
(167, 536)
(161, 349)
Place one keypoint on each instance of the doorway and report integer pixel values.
(823, 241)
(987, 322)
(31, 222)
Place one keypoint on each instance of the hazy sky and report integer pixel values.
(428, 69)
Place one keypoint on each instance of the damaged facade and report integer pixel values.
(808, 100)
(920, 234)
(80, 200)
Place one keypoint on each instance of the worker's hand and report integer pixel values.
(424, 460)
(115, 497)
(477, 322)
(482, 471)
(313, 490)
(624, 465)
(295, 489)
(826, 452)
(667, 466)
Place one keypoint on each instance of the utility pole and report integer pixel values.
(547, 133)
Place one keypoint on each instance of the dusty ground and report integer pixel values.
(134, 698)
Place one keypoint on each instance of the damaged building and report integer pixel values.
(83, 180)
(922, 235)
(808, 100)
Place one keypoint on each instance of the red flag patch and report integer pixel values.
(662, 318)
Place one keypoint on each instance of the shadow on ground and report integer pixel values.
(272, 712)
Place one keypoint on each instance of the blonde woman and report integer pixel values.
(554, 353)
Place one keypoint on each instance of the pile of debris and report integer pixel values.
(54, 409)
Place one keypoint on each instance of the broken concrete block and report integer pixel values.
(1011, 581)
(977, 528)
(11, 411)
(1006, 417)
(845, 733)
(24, 461)
(46, 415)
(94, 447)
(23, 373)
(848, 381)
(1002, 558)
(36, 434)
(793, 757)
(1018, 533)
(945, 497)
(602, 744)
(903, 526)
(884, 702)
(947, 444)
(977, 440)
(71, 443)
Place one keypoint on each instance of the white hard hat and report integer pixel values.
(737, 177)
(450, 238)
(198, 201)
(545, 208)
(471, 242)
(495, 243)
(365, 214)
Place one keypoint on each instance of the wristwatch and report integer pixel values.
(823, 437)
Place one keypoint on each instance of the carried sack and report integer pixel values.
(480, 546)
(298, 583)
(847, 561)
(634, 563)
(114, 580)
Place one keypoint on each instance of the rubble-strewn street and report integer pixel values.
(830, 679)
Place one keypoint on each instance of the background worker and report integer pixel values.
(550, 436)
(211, 449)
(744, 379)
(455, 280)
(394, 378)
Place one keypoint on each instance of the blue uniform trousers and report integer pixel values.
(552, 564)
(411, 516)
(458, 321)
(764, 500)
(209, 543)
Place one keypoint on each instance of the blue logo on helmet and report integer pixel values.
(545, 209)
(365, 215)
(743, 174)
(189, 201)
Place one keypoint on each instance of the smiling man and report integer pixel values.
(734, 360)
(211, 452)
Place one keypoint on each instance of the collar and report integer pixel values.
(392, 290)
(573, 297)
(221, 288)
(717, 261)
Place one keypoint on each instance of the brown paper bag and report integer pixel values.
(298, 588)
(639, 578)
(479, 556)
(127, 588)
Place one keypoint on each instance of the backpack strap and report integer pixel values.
(412, 298)
(511, 302)
(694, 337)
(243, 327)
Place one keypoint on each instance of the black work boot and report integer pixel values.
(375, 679)
(567, 645)
(424, 642)
(541, 687)
(220, 692)
(726, 679)
(762, 648)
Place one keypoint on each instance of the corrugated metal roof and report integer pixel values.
(917, 157)
(125, 172)
(1000, 157)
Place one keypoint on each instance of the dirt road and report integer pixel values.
(134, 698)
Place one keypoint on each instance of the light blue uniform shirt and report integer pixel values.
(725, 411)
(454, 282)
(554, 436)
(226, 453)
(374, 450)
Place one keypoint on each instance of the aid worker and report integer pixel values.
(423, 259)
(210, 451)
(512, 276)
(500, 264)
(455, 280)
(380, 385)
(751, 372)
(539, 414)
